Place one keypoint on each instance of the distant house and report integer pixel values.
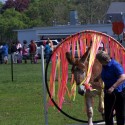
(59, 32)
(116, 12)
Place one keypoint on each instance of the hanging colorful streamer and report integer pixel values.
(59, 67)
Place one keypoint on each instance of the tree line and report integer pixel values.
(21, 14)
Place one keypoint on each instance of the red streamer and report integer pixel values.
(60, 65)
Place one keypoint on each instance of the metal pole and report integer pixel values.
(44, 87)
(11, 67)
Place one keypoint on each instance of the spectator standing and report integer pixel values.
(32, 50)
(19, 52)
(19, 45)
(47, 51)
(5, 53)
(25, 51)
(1, 58)
(14, 52)
(36, 55)
(19, 55)
(44, 43)
(36, 58)
(51, 44)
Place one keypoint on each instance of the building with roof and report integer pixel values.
(116, 12)
(62, 31)
(59, 32)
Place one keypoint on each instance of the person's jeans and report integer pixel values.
(47, 57)
(32, 55)
(114, 101)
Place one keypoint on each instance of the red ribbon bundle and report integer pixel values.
(117, 27)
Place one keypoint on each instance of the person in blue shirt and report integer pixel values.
(114, 91)
(5, 53)
(48, 51)
(1, 58)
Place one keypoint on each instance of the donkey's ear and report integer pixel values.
(70, 59)
(85, 56)
(80, 65)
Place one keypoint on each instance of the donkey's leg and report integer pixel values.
(89, 109)
(101, 103)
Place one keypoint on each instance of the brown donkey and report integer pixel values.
(79, 70)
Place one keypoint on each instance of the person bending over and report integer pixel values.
(114, 91)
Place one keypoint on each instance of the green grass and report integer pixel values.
(21, 101)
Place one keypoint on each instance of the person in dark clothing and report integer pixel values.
(114, 91)
(13, 48)
(14, 52)
(25, 51)
(32, 50)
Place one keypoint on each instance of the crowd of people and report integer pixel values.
(20, 53)
(17, 51)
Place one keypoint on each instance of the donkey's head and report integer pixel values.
(78, 66)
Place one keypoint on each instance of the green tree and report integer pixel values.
(33, 13)
(46, 11)
(90, 11)
(2, 28)
(10, 21)
(61, 13)
(38, 13)
(43, 13)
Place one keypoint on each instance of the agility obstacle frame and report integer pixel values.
(59, 65)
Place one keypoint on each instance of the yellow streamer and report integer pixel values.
(93, 51)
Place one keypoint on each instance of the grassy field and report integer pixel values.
(21, 101)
